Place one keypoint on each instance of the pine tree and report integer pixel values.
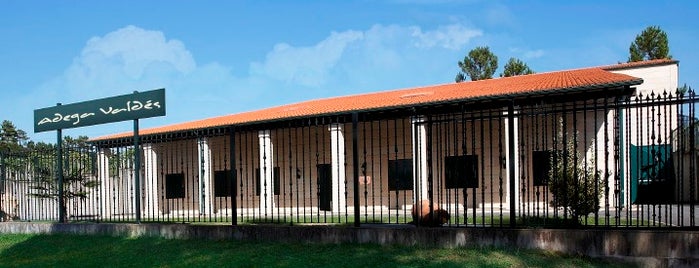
(516, 67)
(649, 45)
(479, 64)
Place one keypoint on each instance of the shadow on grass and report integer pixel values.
(106, 251)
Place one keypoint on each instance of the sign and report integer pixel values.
(107, 110)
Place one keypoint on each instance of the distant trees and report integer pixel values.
(12, 139)
(20, 157)
(650, 44)
(79, 171)
(479, 64)
(515, 67)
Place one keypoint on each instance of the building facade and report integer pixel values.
(489, 152)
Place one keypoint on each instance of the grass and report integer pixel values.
(21, 250)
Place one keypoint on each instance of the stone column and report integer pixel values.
(266, 172)
(337, 142)
(512, 163)
(419, 137)
(151, 174)
(205, 174)
(105, 183)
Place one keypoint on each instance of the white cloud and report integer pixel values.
(532, 54)
(135, 49)
(346, 62)
(363, 58)
(527, 53)
(307, 66)
(453, 36)
(127, 59)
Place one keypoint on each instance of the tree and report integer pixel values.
(79, 168)
(12, 160)
(12, 139)
(649, 45)
(478, 65)
(516, 67)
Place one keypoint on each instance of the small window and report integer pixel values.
(542, 162)
(461, 171)
(174, 186)
(275, 179)
(222, 183)
(325, 186)
(400, 174)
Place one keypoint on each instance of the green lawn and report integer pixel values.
(17, 250)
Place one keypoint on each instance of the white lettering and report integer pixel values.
(106, 111)
(76, 117)
(136, 105)
(44, 121)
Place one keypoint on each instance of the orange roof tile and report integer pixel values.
(453, 92)
(635, 64)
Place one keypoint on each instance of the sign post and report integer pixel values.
(59, 174)
(137, 168)
(113, 109)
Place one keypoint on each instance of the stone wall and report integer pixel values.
(645, 247)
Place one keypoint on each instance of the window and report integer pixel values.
(400, 174)
(174, 186)
(461, 171)
(325, 186)
(222, 183)
(542, 162)
(275, 179)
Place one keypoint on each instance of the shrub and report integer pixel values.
(575, 185)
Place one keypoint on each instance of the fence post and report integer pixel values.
(355, 167)
(234, 179)
(692, 163)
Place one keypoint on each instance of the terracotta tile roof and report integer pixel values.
(579, 79)
(635, 64)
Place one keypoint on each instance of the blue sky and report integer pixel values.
(222, 57)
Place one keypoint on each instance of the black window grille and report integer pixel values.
(222, 183)
(400, 174)
(461, 171)
(174, 186)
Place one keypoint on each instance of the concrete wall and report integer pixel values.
(656, 78)
(644, 247)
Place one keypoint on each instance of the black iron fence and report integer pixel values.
(607, 161)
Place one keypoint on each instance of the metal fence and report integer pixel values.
(594, 161)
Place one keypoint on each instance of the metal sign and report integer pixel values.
(107, 110)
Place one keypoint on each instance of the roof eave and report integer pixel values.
(499, 97)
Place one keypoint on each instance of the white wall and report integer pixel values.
(656, 78)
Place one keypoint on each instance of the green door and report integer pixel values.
(652, 173)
